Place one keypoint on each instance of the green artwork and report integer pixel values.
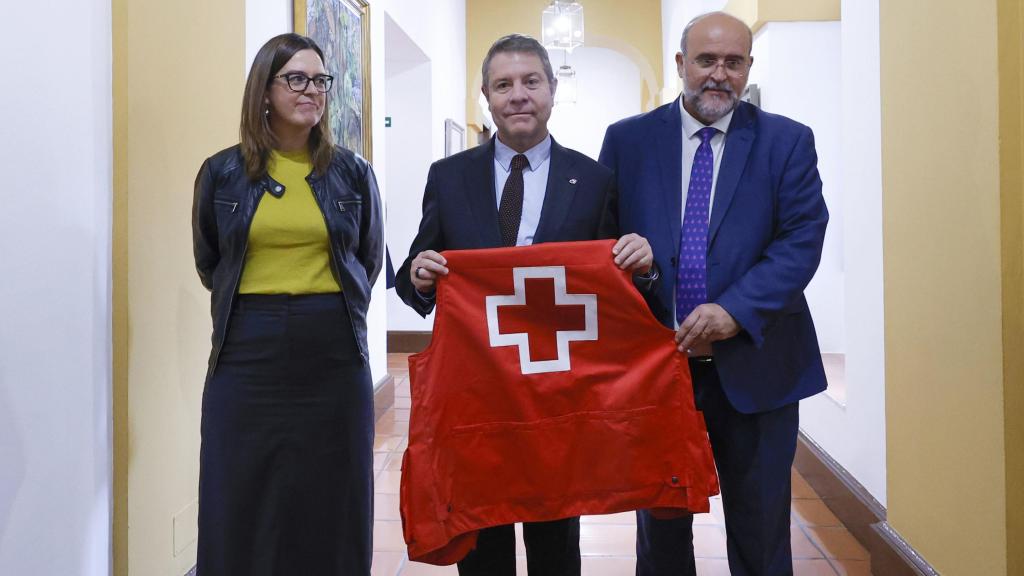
(338, 27)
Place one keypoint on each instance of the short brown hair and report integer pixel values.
(522, 44)
(256, 138)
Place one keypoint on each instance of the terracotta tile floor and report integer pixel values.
(821, 545)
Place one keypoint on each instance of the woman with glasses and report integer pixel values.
(287, 236)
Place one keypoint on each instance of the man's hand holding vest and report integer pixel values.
(425, 269)
(706, 324)
(633, 253)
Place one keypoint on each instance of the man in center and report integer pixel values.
(519, 189)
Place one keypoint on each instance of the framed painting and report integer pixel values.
(342, 30)
(454, 137)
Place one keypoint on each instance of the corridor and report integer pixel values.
(821, 545)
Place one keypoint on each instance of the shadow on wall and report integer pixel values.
(12, 460)
(97, 532)
(193, 313)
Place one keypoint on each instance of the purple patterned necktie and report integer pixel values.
(691, 277)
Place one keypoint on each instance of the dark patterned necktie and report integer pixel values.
(510, 211)
(692, 275)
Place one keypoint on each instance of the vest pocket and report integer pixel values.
(555, 467)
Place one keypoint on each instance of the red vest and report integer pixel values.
(548, 391)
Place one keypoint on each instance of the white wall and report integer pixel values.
(408, 154)
(855, 434)
(608, 89)
(438, 30)
(55, 299)
(826, 75)
(797, 67)
(674, 16)
(264, 19)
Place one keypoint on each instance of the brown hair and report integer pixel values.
(518, 43)
(256, 138)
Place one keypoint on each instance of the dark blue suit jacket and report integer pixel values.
(765, 238)
(460, 211)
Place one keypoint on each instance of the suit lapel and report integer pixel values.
(670, 160)
(738, 142)
(558, 196)
(478, 187)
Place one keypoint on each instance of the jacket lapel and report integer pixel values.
(478, 187)
(670, 160)
(738, 142)
(558, 196)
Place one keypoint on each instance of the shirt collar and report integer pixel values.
(691, 125)
(536, 155)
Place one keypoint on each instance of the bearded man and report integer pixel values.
(730, 200)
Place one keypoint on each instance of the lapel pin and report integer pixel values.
(572, 180)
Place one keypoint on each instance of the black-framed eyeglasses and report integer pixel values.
(298, 82)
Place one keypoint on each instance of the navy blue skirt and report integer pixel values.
(286, 464)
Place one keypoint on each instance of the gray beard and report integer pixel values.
(710, 111)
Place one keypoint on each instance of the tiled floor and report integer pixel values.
(821, 545)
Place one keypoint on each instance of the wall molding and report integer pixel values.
(757, 13)
(408, 341)
(859, 511)
(903, 549)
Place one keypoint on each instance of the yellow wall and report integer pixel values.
(944, 339)
(631, 28)
(178, 78)
(757, 12)
(1011, 133)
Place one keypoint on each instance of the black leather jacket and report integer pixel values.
(223, 206)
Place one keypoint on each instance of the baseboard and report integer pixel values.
(905, 551)
(858, 510)
(407, 342)
(383, 396)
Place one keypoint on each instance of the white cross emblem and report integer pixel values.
(562, 337)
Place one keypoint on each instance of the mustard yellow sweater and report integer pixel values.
(289, 251)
